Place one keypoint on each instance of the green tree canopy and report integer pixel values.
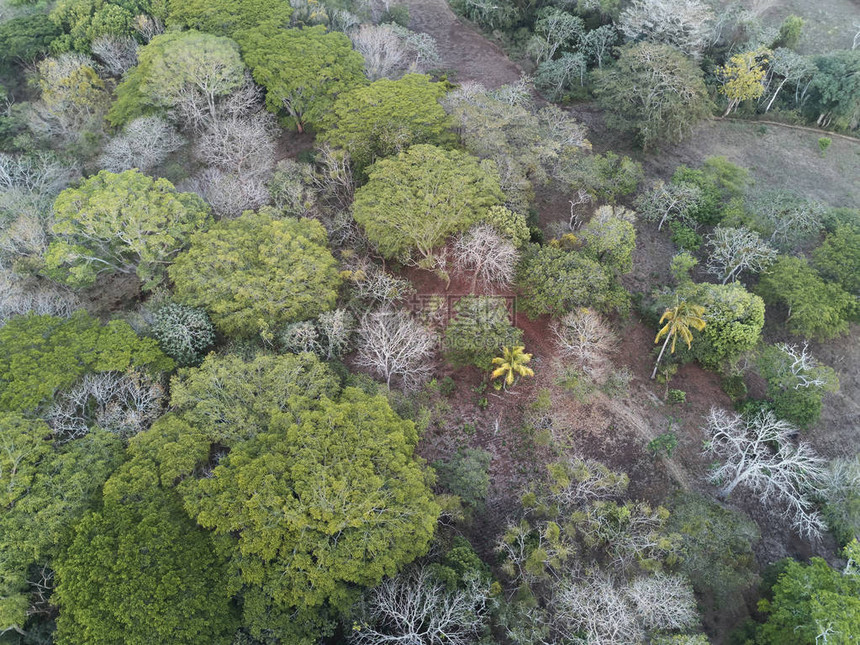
(653, 91)
(26, 38)
(256, 272)
(226, 17)
(140, 571)
(85, 20)
(816, 309)
(734, 318)
(230, 399)
(40, 355)
(386, 117)
(415, 200)
(610, 238)
(806, 600)
(479, 331)
(46, 489)
(303, 70)
(121, 223)
(186, 71)
(838, 258)
(835, 89)
(554, 280)
(318, 496)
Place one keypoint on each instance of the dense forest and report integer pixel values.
(503, 322)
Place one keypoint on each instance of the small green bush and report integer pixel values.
(676, 397)
(824, 144)
(398, 14)
(663, 444)
(684, 237)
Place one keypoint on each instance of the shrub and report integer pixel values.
(664, 443)
(479, 330)
(465, 475)
(184, 333)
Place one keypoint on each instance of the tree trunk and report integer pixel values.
(775, 94)
(662, 349)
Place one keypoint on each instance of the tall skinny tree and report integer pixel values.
(679, 320)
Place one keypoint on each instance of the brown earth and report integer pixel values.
(461, 48)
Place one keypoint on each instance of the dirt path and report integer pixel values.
(462, 48)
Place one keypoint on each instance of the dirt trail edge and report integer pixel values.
(461, 48)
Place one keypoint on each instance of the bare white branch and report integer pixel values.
(758, 453)
(143, 144)
(491, 257)
(735, 250)
(684, 24)
(396, 348)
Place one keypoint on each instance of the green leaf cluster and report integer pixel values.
(386, 117)
(479, 330)
(417, 199)
(121, 223)
(257, 272)
(816, 308)
(806, 600)
(140, 571)
(40, 355)
(303, 70)
(85, 20)
(314, 492)
(46, 489)
(25, 38)
(227, 17)
(176, 67)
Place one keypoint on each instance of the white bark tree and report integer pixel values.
(759, 454)
(385, 53)
(335, 331)
(117, 53)
(598, 609)
(227, 193)
(395, 347)
(554, 29)
(124, 404)
(735, 250)
(585, 335)
(21, 296)
(803, 369)
(244, 146)
(143, 144)
(598, 43)
(490, 256)
(414, 608)
(684, 24)
(668, 202)
(664, 602)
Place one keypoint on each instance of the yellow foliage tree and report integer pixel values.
(742, 77)
(511, 364)
(679, 319)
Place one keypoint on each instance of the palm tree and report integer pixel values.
(512, 364)
(680, 319)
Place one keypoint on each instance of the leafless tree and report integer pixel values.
(584, 481)
(759, 454)
(334, 180)
(243, 146)
(20, 296)
(300, 337)
(393, 346)
(422, 48)
(414, 608)
(385, 53)
(735, 250)
(40, 172)
(685, 24)
(585, 335)
(597, 608)
(117, 53)
(664, 601)
(668, 202)
(143, 144)
(373, 285)
(335, 331)
(791, 68)
(124, 404)
(582, 198)
(292, 187)
(228, 194)
(490, 256)
(147, 26)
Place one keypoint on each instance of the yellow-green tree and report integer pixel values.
(680, 319)
(742, 77)
(512, 364)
